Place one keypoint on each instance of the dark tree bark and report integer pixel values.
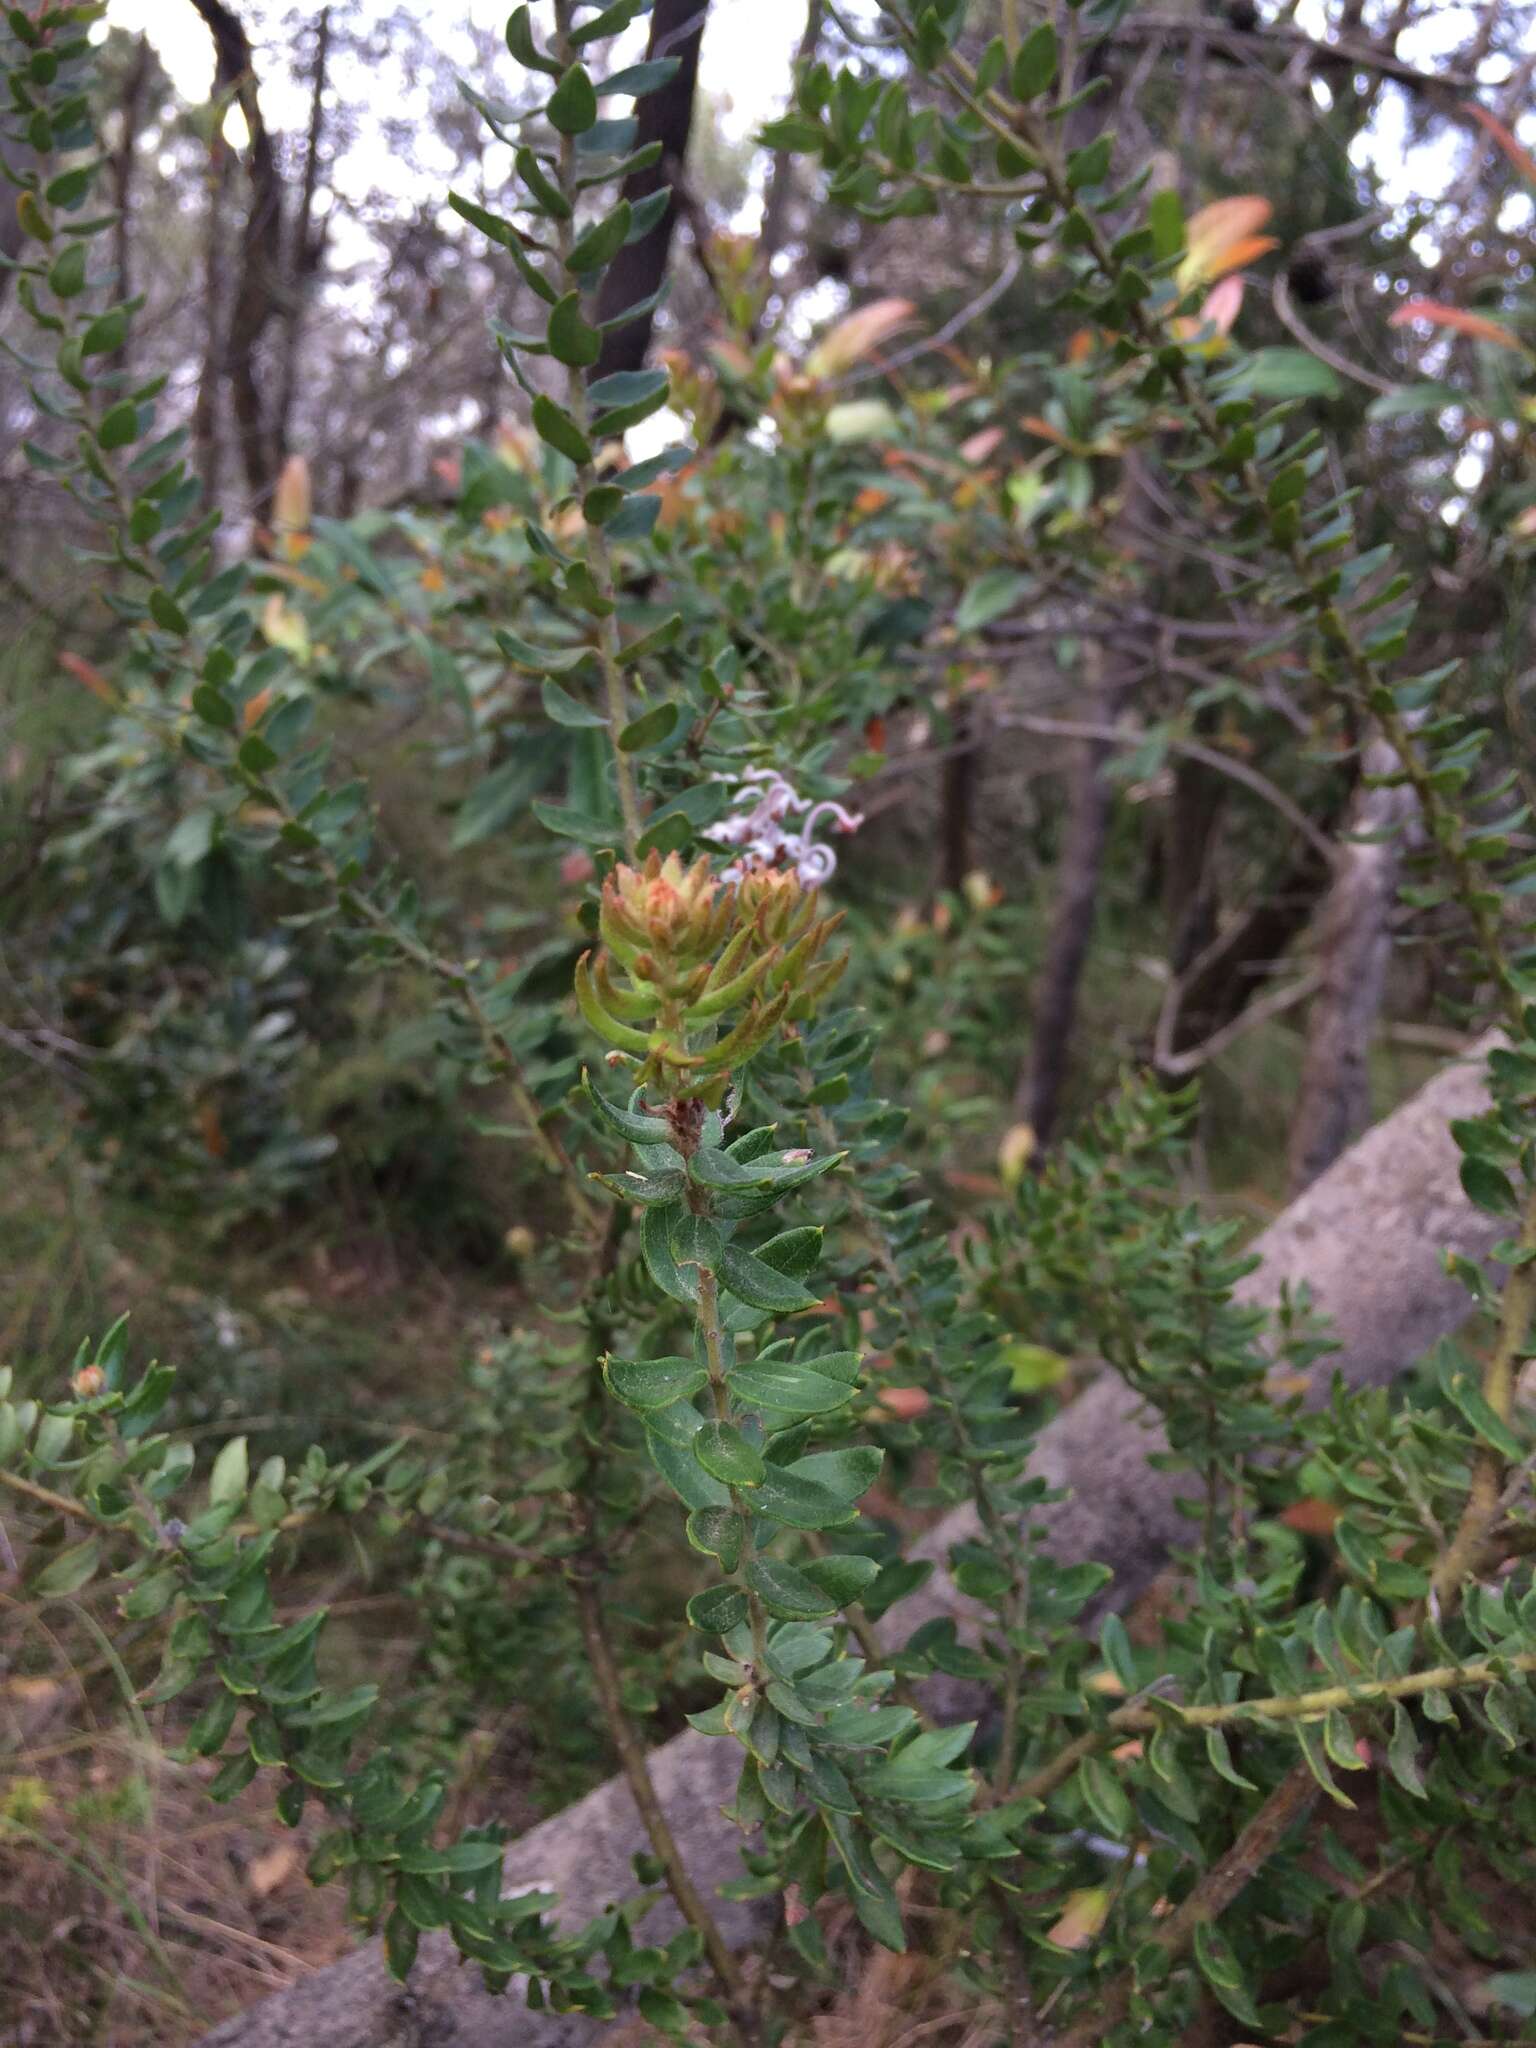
(677, 30)
(308, 248)
(1355, 945)
(207, 413)
(1217, 983)
(781, 170)
(258, 286)
(1238, 963)
(1188, 886)
(1038, 1095)
(957, 799)
(124, 158)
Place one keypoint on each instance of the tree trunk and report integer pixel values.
(308, 246)
(1241, 959)
(640, 269)
(207, 413)
(781, 168)
(258, 291)
(1367, 1237)
(1355, 945)
(1038, 1096)
(124, 159)
(1188, 887)
(957, 799)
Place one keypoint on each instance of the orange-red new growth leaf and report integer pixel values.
(1223, 237)
(1475, 325)
(1511, 145)
(92, 677)
(858, 336)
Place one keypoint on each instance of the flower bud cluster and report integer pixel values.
(685, 952)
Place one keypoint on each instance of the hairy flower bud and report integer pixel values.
(700, 972)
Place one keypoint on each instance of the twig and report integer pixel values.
(941, 338)
(1222, 1883)
(1286, 313)
(632, 1761)
(1484, 1502)
(1194, 750)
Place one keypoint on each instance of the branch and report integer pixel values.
(1244, 44)
(1212, 757)
(1210, 1898)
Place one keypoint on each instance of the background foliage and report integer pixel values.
(1085, 526)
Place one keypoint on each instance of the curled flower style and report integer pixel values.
(758, 828)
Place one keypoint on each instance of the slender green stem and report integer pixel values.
(714, 1353)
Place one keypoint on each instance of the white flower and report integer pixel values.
(758, 830)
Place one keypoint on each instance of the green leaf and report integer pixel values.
(1488, 1186)
(1412, 400)
(1089, 165)
(843, 1577)
(573, 107)
(628, 387)
(541, 660)
(1115, 1647)
(564, 709)
(70, 187)
(231, 1473)
(523, 47)
(649, 729)
(601, 242)
(784, 1388)
(1106, 1799)
(600, 504)
(989, 597)
(1219, 1966)
(572, 341)
(400, 1938)
(458, 1859)
(119, 426)
(1402, 1753)
(618, 15)
(847, 1474)
(548, 194)
(1220, 1754)
(1165, 217)
(634, 1129)
(787, 1593)
(1309, 1740)
(560, 430)
(656, 1383)
(636, 80)
(66, 279)
(1463, 1392)
(69, 1571)
(167, 613)
(1034, 68)
(799, 1503)
(757, 1281)
(1287, 373)
(726, 1455)
(718, 1532)
(679, 1283)
(717, 1610)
